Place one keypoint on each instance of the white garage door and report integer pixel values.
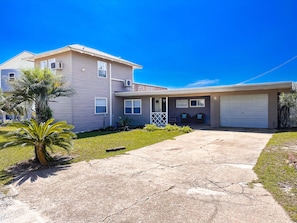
(250, 111)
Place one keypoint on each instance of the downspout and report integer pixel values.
(110, 97)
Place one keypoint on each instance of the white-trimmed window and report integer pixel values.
(48, 64)
(132, 107)
(197, 102)
(102, 72)
(182, 103)
(11, 76)
(100, 105)
(43, 64)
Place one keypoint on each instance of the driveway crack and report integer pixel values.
(142, 199)
(203, 147)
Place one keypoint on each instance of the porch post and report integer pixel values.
(151, 110)
(167, 110)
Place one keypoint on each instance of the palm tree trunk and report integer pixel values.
(284, 117)
(41, 155)
(46, 154)
(36, 156)
(43, 111)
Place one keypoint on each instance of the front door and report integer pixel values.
(159, 114)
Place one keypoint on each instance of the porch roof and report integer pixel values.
(280, 86)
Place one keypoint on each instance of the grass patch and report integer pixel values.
(87, 146)
(276, 175)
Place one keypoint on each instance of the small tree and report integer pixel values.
(38, 87)
(286, 103)
(42, 136)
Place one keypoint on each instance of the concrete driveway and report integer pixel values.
(199, 177)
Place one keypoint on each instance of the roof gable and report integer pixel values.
(18, 61)
(88, 51)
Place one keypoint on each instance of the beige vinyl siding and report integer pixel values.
(88, 86)
(91, 86)
(81, 71)
(62, 106)
(121, 71)
(117, 102)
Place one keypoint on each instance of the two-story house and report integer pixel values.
(95, 76)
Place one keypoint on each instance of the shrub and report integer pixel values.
(151, 127)
(125, 121)
(186, 129)
(170, 127)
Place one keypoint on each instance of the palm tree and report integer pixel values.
(2, 104)
(38, 87)
(287, 101)
(6, 108)
(42, 136)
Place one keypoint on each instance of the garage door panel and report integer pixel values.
(249, 111)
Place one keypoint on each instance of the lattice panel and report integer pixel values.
(159, 118)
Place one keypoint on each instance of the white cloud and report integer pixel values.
(202, 83)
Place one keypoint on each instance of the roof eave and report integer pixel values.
(25, 58)
(209, 90)
(70, 48)
(109, 57)
(49, 53)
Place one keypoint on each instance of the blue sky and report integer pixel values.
(180, 44)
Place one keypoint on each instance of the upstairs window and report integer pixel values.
(197, 102)
(100, 105)
(43, 64)
(102, 72)
(50, 65)
(132, 106)
(11, 76)
(47, 64)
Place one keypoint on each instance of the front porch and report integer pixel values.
(193, 111)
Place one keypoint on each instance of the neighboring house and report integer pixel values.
(105, 91)
(11, 69)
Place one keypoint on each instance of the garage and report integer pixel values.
(249, 111)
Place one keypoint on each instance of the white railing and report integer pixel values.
(159, 118)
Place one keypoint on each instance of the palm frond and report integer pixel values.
(48, 133)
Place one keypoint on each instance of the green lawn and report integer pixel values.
(276, 175)
(87, 146)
